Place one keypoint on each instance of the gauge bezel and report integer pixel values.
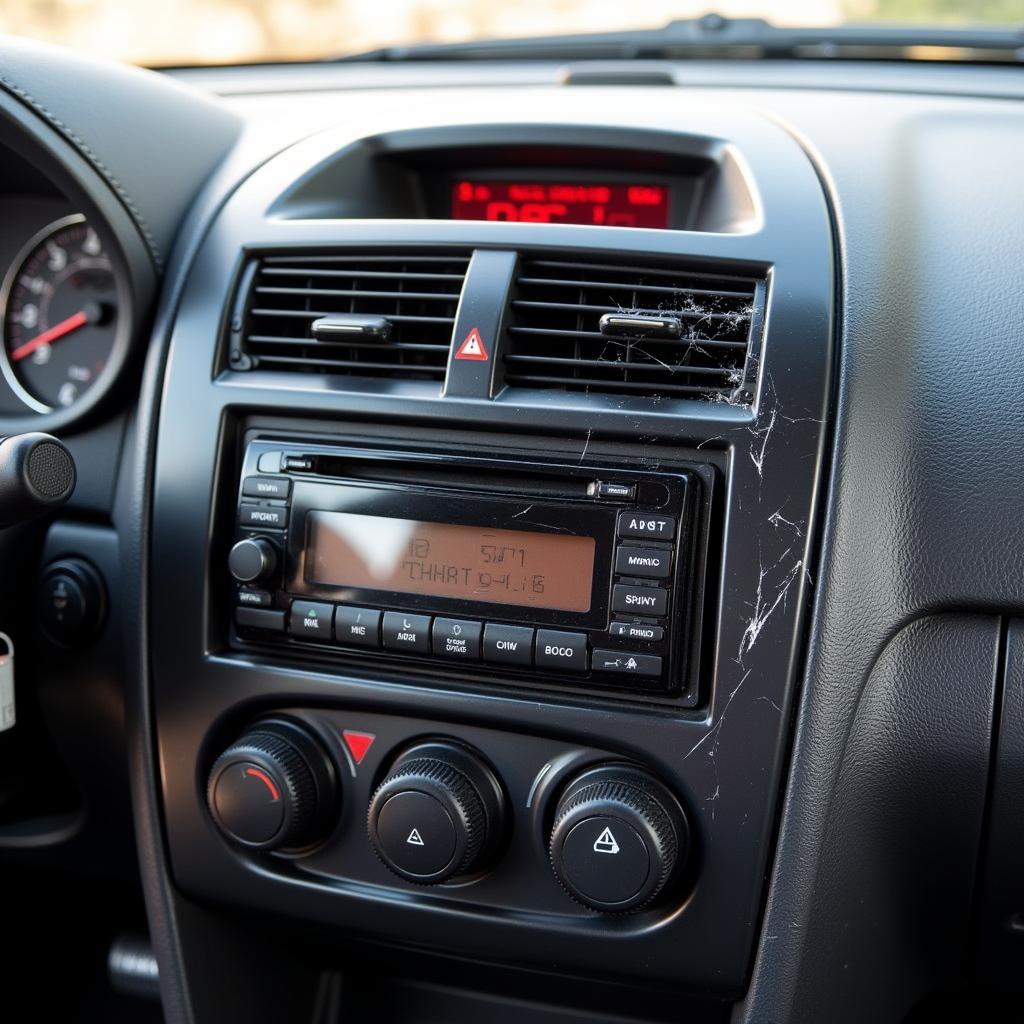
(122, 333)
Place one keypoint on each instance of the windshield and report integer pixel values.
(189, 32)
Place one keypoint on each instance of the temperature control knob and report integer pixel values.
(253, 560)
(274, 787)
(618, 837)
(438, 814)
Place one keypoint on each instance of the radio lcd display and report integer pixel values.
(474, 563)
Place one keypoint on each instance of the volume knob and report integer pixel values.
(253, 560)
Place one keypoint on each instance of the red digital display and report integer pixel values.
(554, 202)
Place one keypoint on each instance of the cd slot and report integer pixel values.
(508, 481)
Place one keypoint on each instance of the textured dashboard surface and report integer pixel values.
(927, 478)
(892, 895)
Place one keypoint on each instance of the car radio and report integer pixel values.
(549, 574)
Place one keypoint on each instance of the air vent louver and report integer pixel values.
(555, 339)
(417, 294)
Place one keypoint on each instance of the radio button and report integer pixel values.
(457, 638)
(638, 631)
(655, 563)
(625, 663)
(405, 632)
(260, 618)
(273, 517)
(311, 620)
(561, 650)
(255, 598)
(270, 462)
(639, 600)
(267, 487)
(357, 627)
(646, 526)
(508, 645)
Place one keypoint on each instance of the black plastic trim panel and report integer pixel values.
(770, 455)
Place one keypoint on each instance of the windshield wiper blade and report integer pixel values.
(715, 36)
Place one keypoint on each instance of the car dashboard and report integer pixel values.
(546, 537)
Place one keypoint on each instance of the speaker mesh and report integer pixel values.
(51, 470)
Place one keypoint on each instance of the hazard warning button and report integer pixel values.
(472, 347)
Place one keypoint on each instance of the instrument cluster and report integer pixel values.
(65, 311)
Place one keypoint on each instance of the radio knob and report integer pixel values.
(273, 788)
(438, 814)
(253, 560)
(618, 838)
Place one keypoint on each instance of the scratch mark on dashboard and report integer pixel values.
(708, 440)
(759, 446)
(763, 611)
(777, 519)
(714, 735)
(586, 447)
(549, 526)
(801, 419)
(714, 799)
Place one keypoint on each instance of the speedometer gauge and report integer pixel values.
(59, 304)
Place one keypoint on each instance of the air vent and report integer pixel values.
(416, 295)
(703, 351)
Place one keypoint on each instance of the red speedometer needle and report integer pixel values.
(65, 327)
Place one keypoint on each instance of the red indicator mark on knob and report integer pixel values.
(267, 781)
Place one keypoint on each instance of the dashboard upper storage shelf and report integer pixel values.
(538, 175)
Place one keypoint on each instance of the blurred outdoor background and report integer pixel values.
(176, 32)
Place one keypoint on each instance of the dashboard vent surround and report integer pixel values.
(555, 338)
(417, 294)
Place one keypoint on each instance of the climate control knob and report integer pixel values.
(253, 560)
(273, 788)
(618, 838)
(438, 814)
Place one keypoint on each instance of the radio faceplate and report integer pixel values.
(552, 575)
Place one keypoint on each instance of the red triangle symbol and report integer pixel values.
(358, 743)
(472, 347)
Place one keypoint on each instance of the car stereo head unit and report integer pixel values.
(552, 575)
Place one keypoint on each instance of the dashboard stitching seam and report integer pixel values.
(91, 154)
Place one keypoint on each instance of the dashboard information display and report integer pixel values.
(550, 202)
(475, 563)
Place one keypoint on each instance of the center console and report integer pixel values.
(481, 548)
